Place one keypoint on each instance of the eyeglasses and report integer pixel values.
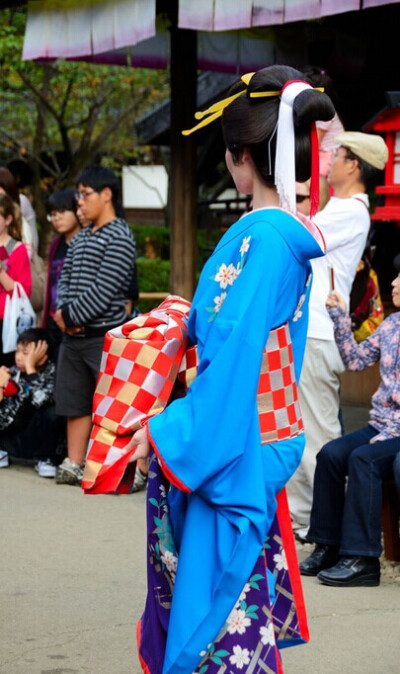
(53, 216)
(83, 195)
(301, 197)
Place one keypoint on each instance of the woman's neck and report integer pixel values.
(264, 196)
(4, 238)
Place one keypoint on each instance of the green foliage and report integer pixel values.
(64, 115)
(157, 237)
(153, 276)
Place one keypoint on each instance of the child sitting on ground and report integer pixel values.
(29, 428)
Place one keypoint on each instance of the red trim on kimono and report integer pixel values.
(171, 477)
(285, 525)
(143, 665)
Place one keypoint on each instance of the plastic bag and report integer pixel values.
(18, 316)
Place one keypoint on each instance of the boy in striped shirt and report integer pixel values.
(92, 296)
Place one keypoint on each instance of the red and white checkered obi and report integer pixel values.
(138, 369)
(277, 396)
(140, 363)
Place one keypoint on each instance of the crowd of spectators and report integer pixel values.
(47, 384)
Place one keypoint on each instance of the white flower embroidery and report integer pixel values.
(267, 635)
(280, 561)
(170, 561)
(238, 621)
(245, 245)
(225, 275)
(218, 301)
(236, 271)
(240, 657)
(246, 588)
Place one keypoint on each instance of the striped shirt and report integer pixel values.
(96, 276)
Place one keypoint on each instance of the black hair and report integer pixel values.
(369, 175)
(62, 200)
(21, 171)
(251, 122)
(32, 335)
(98, 178)
(318, 77)
(9, 184)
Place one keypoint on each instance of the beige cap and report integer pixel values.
(369, 147)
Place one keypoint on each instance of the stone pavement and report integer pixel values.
(73, 584)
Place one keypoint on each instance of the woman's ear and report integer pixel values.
(237, 154)
(245, 155)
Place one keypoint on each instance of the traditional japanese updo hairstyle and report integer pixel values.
(251, 122)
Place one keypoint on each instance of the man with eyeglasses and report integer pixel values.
(92, 295)
(344, 223)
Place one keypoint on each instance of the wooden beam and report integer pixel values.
(183, 162)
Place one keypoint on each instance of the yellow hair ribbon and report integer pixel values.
(246, 78)
(215, 110)
(218, 107)
(264, 94)
(204, 122)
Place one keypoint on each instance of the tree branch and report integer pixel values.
(68, 90)
(114, 124)
(19, 146)
(36, 92)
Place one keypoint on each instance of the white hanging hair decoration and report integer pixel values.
(285, 174)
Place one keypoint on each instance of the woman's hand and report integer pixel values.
(335, 300)
(141, 441)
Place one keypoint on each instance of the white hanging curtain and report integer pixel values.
(228, 15)
(73, 28)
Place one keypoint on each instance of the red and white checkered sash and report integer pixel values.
(277, 396)
(139, 366)
(140, 363)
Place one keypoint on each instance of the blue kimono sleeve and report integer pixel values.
(200, 435)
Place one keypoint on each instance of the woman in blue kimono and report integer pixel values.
(226, 462)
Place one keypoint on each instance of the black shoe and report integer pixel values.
(352, 572)
(300, 539)
(321, 558)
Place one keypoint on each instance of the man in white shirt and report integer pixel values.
(344, 223)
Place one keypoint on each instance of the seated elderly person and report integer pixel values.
(346, 523)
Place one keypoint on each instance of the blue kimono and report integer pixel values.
(226, 481)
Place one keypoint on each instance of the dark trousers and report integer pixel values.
(396, 472)
(351, 517)
(7, 359)
(41, 437)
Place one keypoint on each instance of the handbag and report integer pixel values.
(18, 316)
(39, 277)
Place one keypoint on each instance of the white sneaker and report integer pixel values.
(46, 468)
(69, 472)
(4, 460)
